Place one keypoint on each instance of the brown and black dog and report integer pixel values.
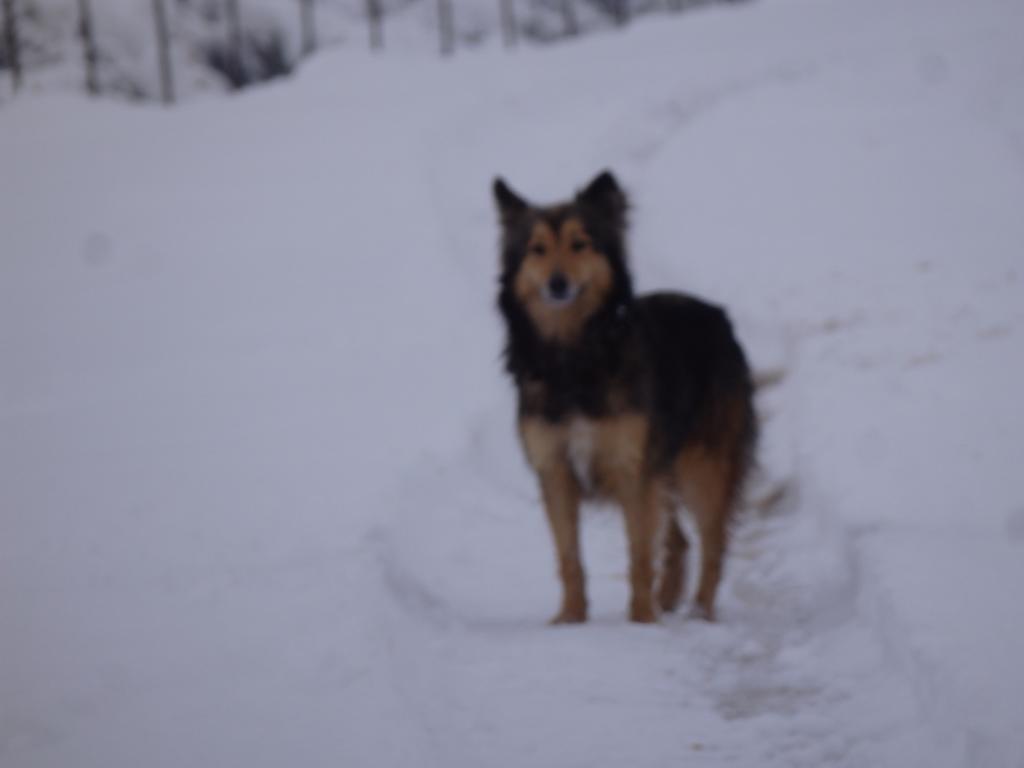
(642, 400)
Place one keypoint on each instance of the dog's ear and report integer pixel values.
(605, 196)
(510, 205)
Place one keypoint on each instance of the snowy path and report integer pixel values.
(260, 497)
(789, 677)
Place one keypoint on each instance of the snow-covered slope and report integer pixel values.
(260, 499)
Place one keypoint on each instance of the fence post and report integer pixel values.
(446, 26)
(572, 26)
(509, 27)
(234, 16)
(163, 44)
(11, 43)
(375, 15)
(85, 30)
(308, 27)
(620, 11)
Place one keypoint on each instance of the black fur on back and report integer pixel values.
(668, 355)
(701, 377)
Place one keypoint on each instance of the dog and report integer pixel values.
(645, 401)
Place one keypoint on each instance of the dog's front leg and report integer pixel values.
(623, 473)
(643, 525)
(562, 503)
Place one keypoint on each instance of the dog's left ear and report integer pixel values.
(510, 205)
(605, 196)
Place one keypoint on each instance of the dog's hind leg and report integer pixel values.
(709, 490)
(673, 569)
(712, 521)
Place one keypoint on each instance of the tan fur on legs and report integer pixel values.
(622, 473)
(561, 502)
(708, 486)
(712, 525)
(545, 449)
(672, 586)
(643, 522)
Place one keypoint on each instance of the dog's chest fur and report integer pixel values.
(602, 454)
(580, 441)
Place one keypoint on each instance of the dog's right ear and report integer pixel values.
(605, 196)
(510, 205)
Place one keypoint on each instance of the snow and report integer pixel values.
(260, 496)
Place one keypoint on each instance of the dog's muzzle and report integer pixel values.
(559, 291)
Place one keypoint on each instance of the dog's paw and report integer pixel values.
(569, 616)
(702, 612)
(643, 613)
(669, 596)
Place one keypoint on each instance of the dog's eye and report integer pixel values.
(538, 249)
(577, 246)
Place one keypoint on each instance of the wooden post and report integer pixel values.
(446, 26)
(308, 27)
(163, 44)
(234, 16)
(89, 53)
(509, 26)
(620, 10)
(375, 15)
(572, 26)
(12, 43)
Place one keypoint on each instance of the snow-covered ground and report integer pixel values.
(260, 498)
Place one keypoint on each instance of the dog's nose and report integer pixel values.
(558, 286)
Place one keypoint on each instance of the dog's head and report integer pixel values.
(564, 263)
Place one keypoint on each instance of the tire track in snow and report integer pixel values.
(676, 113)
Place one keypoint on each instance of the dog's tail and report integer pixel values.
(766, 496)
(768, 378)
